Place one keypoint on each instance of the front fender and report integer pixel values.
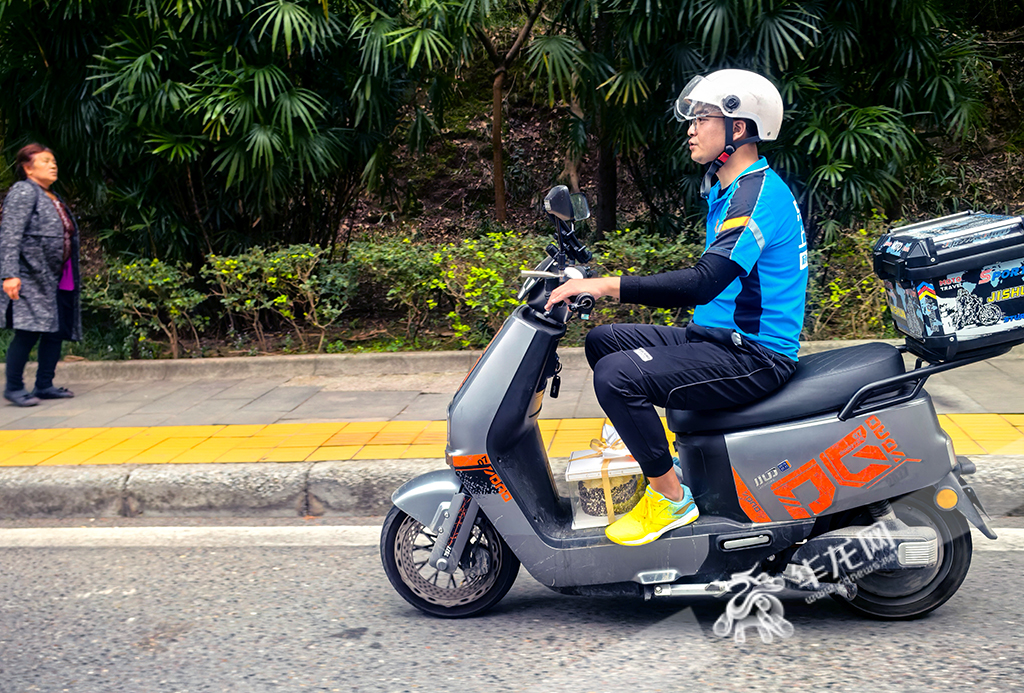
(420, 497)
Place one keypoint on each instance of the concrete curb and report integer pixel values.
(328, 365)
(268, 489)
(999, 482)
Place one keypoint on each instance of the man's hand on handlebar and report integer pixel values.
(597, 287)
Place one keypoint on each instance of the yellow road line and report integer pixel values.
(972, 434)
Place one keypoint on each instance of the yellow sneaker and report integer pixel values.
(653, 516)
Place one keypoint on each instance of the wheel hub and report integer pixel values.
(469, 582)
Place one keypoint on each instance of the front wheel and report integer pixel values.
(484, 575)
(911, 593)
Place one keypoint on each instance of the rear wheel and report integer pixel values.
(485, 574)
(913, 592)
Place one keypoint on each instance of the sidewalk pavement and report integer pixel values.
(336, 434)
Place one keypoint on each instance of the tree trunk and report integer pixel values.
(571, 171)
(501, 66)
(607, 181)
(500, 205)
(607, 189)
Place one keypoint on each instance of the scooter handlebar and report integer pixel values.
(582, 305)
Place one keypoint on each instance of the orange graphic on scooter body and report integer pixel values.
(869, 448)
(470, 467)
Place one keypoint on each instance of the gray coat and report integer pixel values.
(32, 249)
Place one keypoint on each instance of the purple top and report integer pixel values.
(67, 279)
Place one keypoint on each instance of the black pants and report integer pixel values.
(638, 367)
(49, 349)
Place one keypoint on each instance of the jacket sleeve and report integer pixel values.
(693, 286)
(18, 207)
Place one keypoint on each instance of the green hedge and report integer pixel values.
(453, 295)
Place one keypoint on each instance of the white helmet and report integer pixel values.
(739, 94)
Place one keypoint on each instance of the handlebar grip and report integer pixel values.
(583, 305)
(583, 301)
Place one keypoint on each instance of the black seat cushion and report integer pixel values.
(823, 382)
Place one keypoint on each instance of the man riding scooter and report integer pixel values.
(748, 289)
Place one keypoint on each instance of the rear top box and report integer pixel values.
(955, 285)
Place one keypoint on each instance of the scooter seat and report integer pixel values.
(823, 382)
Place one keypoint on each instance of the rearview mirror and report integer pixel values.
(565, 206)
(580, 208)
(558, 203)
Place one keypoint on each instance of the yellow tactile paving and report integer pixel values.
(580, 424)
(398, 432)
(299, 440)
(363, 426)
(336, 453)
(178, 444)
(239, 431)
(194, 456)
(112, 457)
(568, 440)
(381, 452)
(435, 433)
(414, 451)
(972, 434)
(345, 439)
(260, 441)
(287, 454)
(26, 459)
(243, 455)
(1014, 448)
(991, 432)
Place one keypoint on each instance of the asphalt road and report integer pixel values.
(230, 613)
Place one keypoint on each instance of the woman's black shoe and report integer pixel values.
(21, 398)
(53, 393)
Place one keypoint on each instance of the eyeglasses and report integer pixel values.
(703, 118)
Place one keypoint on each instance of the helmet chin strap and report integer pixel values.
(712, 171)
(719, 162)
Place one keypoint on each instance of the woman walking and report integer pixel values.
(39, 267)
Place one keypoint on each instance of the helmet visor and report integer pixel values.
(687, 107)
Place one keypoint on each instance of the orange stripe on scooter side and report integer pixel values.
(749, 504)
(468, 461)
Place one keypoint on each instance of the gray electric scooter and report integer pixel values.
(849, 448)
